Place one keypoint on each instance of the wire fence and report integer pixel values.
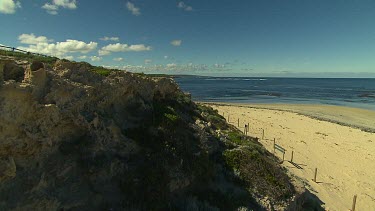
(277, 147)
(17, 50)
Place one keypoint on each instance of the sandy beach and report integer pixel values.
(328, 138)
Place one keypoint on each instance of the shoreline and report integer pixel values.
(357, 118)
(343, 155)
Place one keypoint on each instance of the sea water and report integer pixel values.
(352, 92)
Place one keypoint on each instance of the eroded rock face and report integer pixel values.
(11, 71)
(62, 133)
(36, 66)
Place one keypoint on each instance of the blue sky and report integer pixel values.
(210, 37)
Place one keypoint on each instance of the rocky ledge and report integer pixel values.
(75, 137)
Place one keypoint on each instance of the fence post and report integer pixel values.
(283, 156)
(238, 122)
(316, 172)
(262, 134)
(354, 202)
(291, 159)
(274, 143)
(228, 118)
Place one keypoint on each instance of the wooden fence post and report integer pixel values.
(291, 159)
(238, 122)
(262, 134)
(316, 172)
(354, 202)
(274, 143)
(228, 117)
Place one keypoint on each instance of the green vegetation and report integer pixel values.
(102, 71)
(29, 57)
(247, 169)
(250, 162)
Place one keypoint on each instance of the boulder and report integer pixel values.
(11, 71)
(36, 66)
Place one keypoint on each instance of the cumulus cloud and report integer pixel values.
(110, 38)
(118, 47)
(176, 42)
(172, 67)
(32, 39)
(148, 61)
(119, 59)
(219, 66)
(82, 57)
(95, 58)
(166, 57)
(53, 7)
(41, 44)
(133, 9)
(68, 57)
(9, 6)
(184, 6)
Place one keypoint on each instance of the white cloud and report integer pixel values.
(103, 53)
(172, 65)
(32, 39)
(119, 59)
(68, 57)
(184, 6)
(53, 7)
(148, 61)
(82, 57)
(68, 4)
(219, 65)
(110, 38)
(176, 42)
(95, 58)
(9, 6)
(118, 47)
(166, 57)
(133, 9)
(60, 49)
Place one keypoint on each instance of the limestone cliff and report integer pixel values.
(73, 139)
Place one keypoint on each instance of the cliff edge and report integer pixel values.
(78, 137)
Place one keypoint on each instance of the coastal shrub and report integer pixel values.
(183, 98)
(259, 172)
(102, 71)
(171, 117)
(211, 115)
(29, 57)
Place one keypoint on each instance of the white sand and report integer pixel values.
(344, 156)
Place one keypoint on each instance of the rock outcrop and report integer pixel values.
(56, 119)
(11, 71)
(72, 139)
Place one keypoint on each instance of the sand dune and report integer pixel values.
(343, 155)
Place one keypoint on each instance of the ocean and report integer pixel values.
(352, 92)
